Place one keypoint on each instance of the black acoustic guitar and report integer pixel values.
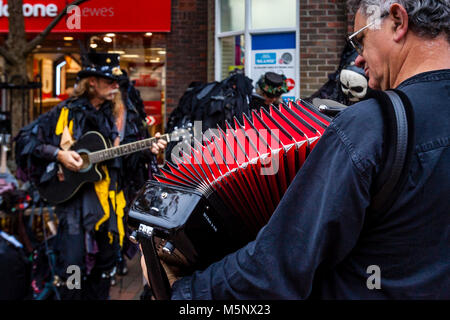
(93, 149)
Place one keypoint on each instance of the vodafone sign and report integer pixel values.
(94, 15)
(32, 10)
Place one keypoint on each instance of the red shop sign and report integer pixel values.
(94, 16)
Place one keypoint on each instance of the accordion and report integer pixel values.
(219, 192)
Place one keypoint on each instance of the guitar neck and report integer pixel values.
(111, 153)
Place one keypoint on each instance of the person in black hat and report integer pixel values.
(136, 168)
(91, 227)
(269, 89)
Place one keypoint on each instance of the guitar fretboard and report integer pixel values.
(111, 153)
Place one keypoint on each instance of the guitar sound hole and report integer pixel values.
(86, 162)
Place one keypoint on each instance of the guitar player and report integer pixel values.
(91, 228)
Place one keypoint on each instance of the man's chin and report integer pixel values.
(374, 85)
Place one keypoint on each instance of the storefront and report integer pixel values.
(304, 39)
(258, 36)
(134, 29)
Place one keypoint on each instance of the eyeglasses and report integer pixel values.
(354, 42)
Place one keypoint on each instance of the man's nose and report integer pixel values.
(360, 61)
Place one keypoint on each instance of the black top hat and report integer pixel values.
(97, 64)
(273, 84)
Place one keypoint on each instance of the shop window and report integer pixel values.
(57, 61)
(232, 15)
(268, 14)
(58, 75)
(66, 70)
(232, 54)
(258, 36)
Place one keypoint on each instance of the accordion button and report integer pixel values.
(168, 247)
(133, 237)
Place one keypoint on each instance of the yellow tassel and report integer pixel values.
(118, 201)
(111, 238)
(67, 134)
(71, 128)
(121, 203)
(102, 190)
(62, 121)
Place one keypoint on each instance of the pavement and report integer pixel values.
(131, 285)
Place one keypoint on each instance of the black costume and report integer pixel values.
(257, 102)
(90, 224)
(271, 84)
(136, 168)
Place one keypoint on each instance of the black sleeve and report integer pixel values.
(46, 152)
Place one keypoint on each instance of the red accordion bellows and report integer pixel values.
(250, 165)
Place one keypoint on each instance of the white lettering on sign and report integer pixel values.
(74, 19)
(32, 10)
(98, 12)
(52, 10)
(3, 10)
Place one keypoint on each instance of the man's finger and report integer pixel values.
(72, 167)
(154, 149)
(171, 275)
(76, 166)
(76, 156)
(144, 267)
(79, 160)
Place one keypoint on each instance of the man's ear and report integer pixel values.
(400, 18)
(92, 81)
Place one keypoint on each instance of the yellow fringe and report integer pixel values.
(103, 194)
(102, 190)
(121, 203)
(111, 238)
(63, 121)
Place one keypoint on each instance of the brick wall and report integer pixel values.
(211, 35)
(186, 48)
(323, 27)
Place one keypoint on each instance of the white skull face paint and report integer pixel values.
(353, 85)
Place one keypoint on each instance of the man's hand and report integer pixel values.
(159, 145)
(70, 159)
(174, 264)
(171, 276)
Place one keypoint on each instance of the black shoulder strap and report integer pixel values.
(399, 145)
(156, 274)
